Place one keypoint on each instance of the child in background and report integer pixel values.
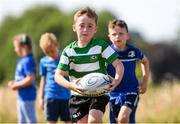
(24, 81)
(124, 98)
(82, 57)
(52, 96)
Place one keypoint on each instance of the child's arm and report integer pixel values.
(119, 73)
(41, 92)
(28, 80)
(145, 74)
(60, 79)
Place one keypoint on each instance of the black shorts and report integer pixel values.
(80, 106)
(55, 108)
(129, 100)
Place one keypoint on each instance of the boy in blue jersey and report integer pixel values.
(24, 81)
(84, 56)
(124, 98)
(52, 96)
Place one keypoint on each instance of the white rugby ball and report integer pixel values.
(94, 84)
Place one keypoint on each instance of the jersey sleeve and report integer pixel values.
(108, 53)
(42, 69)
(139, 54)
(29, 67)
(64, 61)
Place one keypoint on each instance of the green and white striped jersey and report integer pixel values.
(92, 58)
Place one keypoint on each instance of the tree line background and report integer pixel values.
(164, 58)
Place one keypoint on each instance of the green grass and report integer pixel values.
(158, 105)
(161, 104)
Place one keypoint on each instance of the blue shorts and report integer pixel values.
(129, 99)
(26, 111)
(55, 108)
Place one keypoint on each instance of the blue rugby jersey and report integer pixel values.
(128, 57)
(53, 90)
(26, 66)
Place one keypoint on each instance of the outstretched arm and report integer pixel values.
(145, 74)
(119, 73)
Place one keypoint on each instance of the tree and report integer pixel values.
(35, 22)
(164, 61)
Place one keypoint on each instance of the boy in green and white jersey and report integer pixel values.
(90, 58)
(84, 56)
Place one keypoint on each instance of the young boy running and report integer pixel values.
(81, 57)
(124, 98)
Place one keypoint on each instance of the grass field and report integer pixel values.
(158, 105)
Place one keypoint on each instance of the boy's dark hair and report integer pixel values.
(86, 11)
(25, 39)
(120, 23)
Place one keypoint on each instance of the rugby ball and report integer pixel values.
(94, 84)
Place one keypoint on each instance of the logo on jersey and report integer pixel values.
(72, 60)
(131, 54)
(94, 57)
(75, 115)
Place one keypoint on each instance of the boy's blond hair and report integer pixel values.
(47, 40)
(88, 12)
